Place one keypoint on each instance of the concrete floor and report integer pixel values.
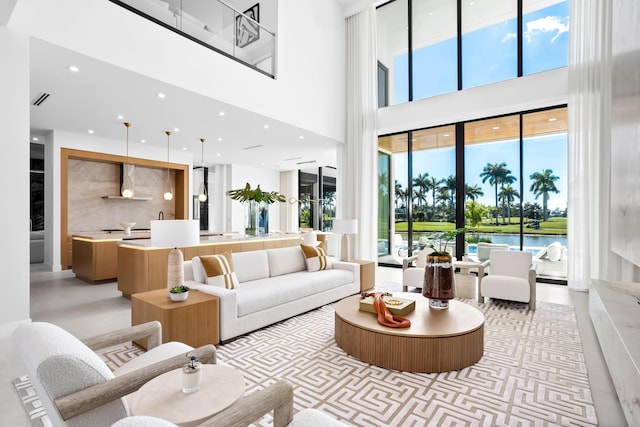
(85, 310)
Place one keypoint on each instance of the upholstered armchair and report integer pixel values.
(512, 277)
(76, 387)
(414, 276)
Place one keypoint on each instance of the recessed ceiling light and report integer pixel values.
(552, 119)
(120, 117)
(266, 126)
(90, 130)
(445, 135)
(184, 148)
(221, 113)
(219, 139)
(218, 154)
(161, 95)
(143, 141)
(301, 137)
(495, 127)
(35, 138)
(73, 68)
(176, 130)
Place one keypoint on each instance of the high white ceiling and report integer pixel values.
(93, 98)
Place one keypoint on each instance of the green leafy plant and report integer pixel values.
(442, 240)
(256, 195)
(179, 289)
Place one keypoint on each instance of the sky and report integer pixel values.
(490, 55)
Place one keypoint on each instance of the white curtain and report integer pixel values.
(357, 161)
(589, 143)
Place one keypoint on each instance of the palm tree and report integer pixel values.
(472, 192)
(400, 194)
(450, 183)
(497, 174)
(543, 184)
(432, 185)
(508, 194)
(443, 198)
(420, 184)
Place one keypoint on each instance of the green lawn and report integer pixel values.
(551, 226)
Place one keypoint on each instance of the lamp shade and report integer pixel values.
(175, 233)
(345, 226)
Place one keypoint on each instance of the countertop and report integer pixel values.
(136, 235)
(204, 239)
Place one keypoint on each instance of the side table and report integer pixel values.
(162, 397)
(367, 274)
(194, 322)
(466, 283)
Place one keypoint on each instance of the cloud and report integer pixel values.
(545, 25)
(509, 36)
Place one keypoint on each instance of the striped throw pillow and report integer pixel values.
(316, 257)
(219, 270)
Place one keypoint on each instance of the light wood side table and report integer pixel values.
(367, 274)
(162, 397)
(194, 322)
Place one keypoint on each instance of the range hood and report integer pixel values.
(130, 170)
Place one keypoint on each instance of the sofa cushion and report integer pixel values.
(251, 265)
(316, 257)
(219, 270)
(286, 260)
(263, 294)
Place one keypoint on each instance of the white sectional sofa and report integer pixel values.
(273, 285)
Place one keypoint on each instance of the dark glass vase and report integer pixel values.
(439, 283)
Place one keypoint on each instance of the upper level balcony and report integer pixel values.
(217, 25)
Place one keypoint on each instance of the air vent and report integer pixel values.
(307, 162)
(292, 158)
(41, 98)
(254, 146)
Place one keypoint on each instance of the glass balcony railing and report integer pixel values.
(214, 24)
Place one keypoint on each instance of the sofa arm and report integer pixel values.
(351, 266)
(228, 305)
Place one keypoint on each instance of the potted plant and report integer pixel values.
(258, 201)
(179, 293)
(438, 284)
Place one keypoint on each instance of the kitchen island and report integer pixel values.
(142, 267)
(95, 253)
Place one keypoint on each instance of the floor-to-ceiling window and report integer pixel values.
(515, 186)
(317, 198)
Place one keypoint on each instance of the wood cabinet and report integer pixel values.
(142, 269)
(95, 260)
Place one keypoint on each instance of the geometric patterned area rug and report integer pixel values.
(532, 373)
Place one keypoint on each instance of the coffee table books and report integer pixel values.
(397, 306)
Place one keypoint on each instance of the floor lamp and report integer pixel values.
(345, 227)
(175, 233)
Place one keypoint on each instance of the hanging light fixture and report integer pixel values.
(168, 188)
(127, 184)
(202, 191)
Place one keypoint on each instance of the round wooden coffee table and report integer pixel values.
(162, 397)
(437, 341)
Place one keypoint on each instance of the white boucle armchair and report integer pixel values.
(76, 387)
(512, 277)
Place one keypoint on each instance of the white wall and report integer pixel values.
(308, 91)
(14, 174)
(525, 93)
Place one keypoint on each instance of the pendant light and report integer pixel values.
(127, 184)
(168, 188)
(202, 191)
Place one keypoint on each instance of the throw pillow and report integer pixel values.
(219, 270)
(316, 257)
